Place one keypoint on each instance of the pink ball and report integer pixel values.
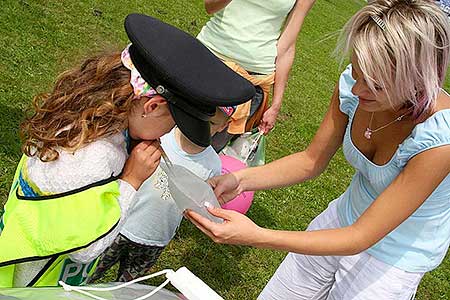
(243, 201)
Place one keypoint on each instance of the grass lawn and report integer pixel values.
(40, 38)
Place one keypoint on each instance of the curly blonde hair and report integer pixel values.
(87, 102)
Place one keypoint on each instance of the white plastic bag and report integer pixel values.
(190, 191)
(191, 287)
(248, 148)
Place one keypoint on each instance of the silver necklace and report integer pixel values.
(369, 131)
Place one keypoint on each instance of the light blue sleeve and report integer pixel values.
(211, 163)
(348, 101)
(433, 132)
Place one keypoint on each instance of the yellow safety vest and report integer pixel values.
(52, 226)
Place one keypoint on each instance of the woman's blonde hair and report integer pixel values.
(87, 102)
(408, 58)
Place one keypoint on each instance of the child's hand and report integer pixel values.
(226, 187)
(143, 161)
(268, 120)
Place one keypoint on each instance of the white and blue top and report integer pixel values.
(154, 218)
(418, 244)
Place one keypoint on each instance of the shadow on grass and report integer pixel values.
(10, 119)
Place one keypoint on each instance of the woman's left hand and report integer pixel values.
(268, 120)
(236, 228)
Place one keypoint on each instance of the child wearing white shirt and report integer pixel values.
(154, 218)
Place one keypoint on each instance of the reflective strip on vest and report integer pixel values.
(54, 225)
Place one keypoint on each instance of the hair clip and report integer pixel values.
(379, 22)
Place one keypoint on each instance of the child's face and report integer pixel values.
(218, 122)
(151, 119)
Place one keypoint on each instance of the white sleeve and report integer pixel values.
(126, 197)
(92, 163)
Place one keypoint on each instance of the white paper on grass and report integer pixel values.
(190, 191)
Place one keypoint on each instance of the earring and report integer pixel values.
(144, 115)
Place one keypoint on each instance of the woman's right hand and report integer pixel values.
(236, 229)
(226, 187)
(142, 162)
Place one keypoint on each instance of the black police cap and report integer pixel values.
(180, 68)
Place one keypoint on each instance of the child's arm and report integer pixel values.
(141, 164)
(284, 60)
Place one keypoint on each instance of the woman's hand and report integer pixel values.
(268, 120)
(236, 229)
(143, 161)
(226, 187)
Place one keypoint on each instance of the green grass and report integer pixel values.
(40, 38)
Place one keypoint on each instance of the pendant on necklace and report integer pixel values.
(368, 133)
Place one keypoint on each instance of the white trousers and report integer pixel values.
(360, 276)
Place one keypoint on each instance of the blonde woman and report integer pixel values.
(392, 118)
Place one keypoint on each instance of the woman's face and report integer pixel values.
(368, 100)
(150, 119)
